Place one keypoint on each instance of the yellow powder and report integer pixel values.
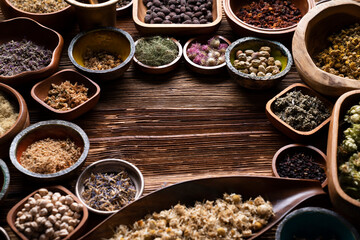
(8, 115)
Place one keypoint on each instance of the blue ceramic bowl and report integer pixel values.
(315, 223)
(5, 181)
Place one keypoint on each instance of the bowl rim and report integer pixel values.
(55, 52)
(5, 170)
(90, 6)
(177, 59)
(285, 52)
(320, 210)
(230, 14)
(65, 124)
(333, 152)
(35, 14)
(124, 163)
(124, 7)
(60, 188)
(294, 146)
(21, 102)
(191, 40)
(105, 29)
(293, 130)
(35, 96)
(174, 26)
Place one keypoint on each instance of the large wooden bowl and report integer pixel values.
(311, 37)
(341, 201)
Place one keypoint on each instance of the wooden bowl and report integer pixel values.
(318, 156)
(107, 166)
(110, 39)
(22, 120)
(139, 11)
(243, 29)
(16, 29)
(310, 38)
(160, 69)
(313, 222)
(40, 91)
(207, 70)
(284, 194)
(60, 20)
(55, 129)
(341, 201)
(11, 216)
(4, 179)
(278, 51)
(285, 128)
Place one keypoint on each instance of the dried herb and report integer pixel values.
(108, 191)
(156, 51)
(39, 6)
(101, 60)
(301, 111)
(300, 165)
(21, 56)
(66, 95)
(210, 54)
(270, 14)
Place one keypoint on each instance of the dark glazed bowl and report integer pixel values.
(110, 39)
(286, 128)
(22, 120)
(40, 91)
(207, 70)
(106, 166)
(4, 179)
(278, 51)
(315, 223)
(11, 216)
(244, 29)
(60, 20)
(56, 129)
(317, 155)
(19, 28)
(160, 69)
(310, 38)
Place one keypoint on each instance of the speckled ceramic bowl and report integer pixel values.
(55, 129)
(110, 166)
(4, 179)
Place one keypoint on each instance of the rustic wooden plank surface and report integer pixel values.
(175, 127)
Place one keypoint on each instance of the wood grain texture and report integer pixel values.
(175, 127)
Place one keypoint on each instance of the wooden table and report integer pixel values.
(175, 127)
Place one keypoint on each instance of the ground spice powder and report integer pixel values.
(8, 115)
(50, 155)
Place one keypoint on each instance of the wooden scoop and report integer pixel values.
(284, 194)
(94, 1)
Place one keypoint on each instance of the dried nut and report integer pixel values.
(62, 199)
(264, 54)
(48, 223)
(42, 203)
(276, 71)
(239, 53)
(70, 229)
(265, 48)
(66, 219)
(49, 232)
(63, 233)
(263, 59)
(261, 74)
(28, 231)
(49, 206)
(268, 75)
(37, 196)
(262, 69)
(253, 70)
(77, 215)
(255, 63)
(69, 200)
(52, 219)
(249, 52)
(64, 225)
(54, 211)
(278, 63)
(41, 220)
(27, 206)
(44, 212)
(43, 237)
(43, 192)
(271, 61)
(73, 222)
(246, 71)
(33, 211)
(62, 209)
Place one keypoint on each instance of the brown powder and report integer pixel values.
(8, 115)
(50, 155)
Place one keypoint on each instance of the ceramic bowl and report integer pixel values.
(285, 128)
(109, 39)
(11, 216)
(160, 69)
(55, 129)
(315, 223)
(4, 179)
(95, 15)
(139, 11)
(278, 51)
(22, 120)
(3, 234)
(342, 202)
(208, 70)
(231, 7)
(106, 166)
(318, 156)
(16, 29)
(124, 10)
(310, 38)
(40, 91)
(60, 20)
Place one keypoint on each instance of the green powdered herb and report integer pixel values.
(156, 51)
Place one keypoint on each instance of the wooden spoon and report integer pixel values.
(94, 1)
(284, 194)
